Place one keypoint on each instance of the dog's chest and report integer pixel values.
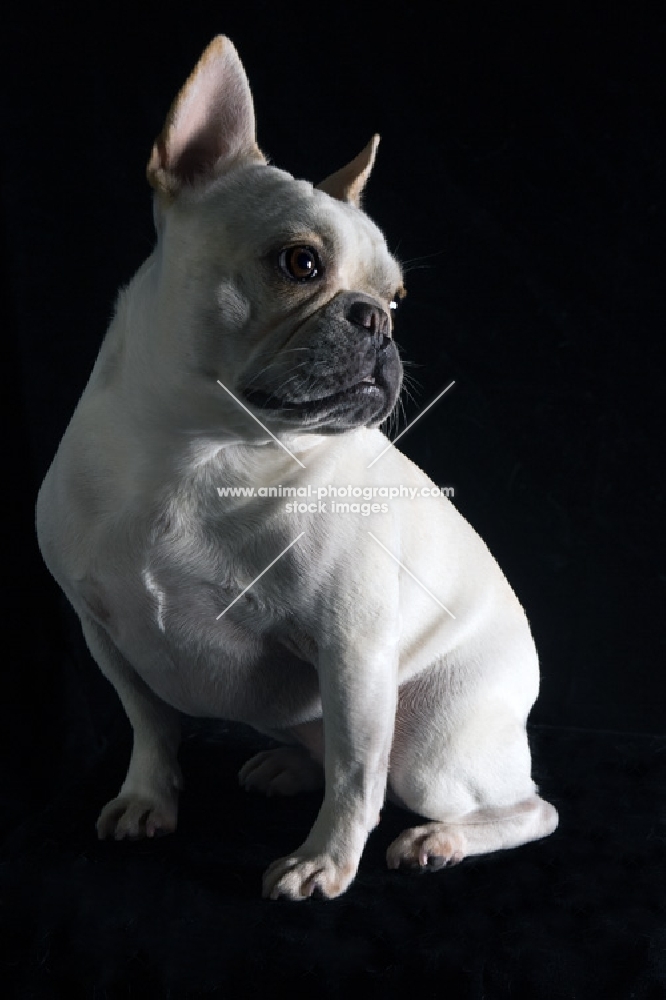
(188, 612)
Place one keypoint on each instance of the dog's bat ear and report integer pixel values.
(347, 184)
(209, 125)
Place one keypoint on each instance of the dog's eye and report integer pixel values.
(299, 263)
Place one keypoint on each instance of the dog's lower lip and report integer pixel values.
(366, 387)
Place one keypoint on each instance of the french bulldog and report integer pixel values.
(378, 643)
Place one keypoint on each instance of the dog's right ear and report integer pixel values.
(210, 125)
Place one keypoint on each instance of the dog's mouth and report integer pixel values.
(369, 388)
(363, 395)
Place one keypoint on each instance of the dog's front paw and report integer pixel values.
(134, 816)
(299, 876)
(284, 771)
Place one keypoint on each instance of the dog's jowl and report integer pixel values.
(240, 542)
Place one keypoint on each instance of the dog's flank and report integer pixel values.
(329, 633)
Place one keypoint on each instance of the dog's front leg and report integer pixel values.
(358, 682)
(147, 803)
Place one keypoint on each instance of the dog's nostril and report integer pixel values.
(384, 341)
(371, 318)
(362, 314)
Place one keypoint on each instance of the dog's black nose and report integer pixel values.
(373, 319)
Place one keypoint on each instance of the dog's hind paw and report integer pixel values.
(426, 847)
(283, 771)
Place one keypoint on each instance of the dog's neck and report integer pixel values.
(175, 430)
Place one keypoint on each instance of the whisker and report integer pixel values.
(423, 257)
(272, 364)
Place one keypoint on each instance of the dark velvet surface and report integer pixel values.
(521, 180)
(579, 915)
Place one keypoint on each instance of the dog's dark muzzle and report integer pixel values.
(347, 373)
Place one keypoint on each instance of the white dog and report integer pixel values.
(382, 646)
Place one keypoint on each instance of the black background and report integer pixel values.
(520, 177)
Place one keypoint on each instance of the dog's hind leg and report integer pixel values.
(282, 771)
(462, 760)
(439, 845)
(291, 769)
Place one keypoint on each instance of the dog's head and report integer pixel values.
(282, 291)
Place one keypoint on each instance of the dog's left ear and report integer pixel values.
(347, 184)
(210, 124)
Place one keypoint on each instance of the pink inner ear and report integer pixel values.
(347, 183)
(196, 142)
(212, 119)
